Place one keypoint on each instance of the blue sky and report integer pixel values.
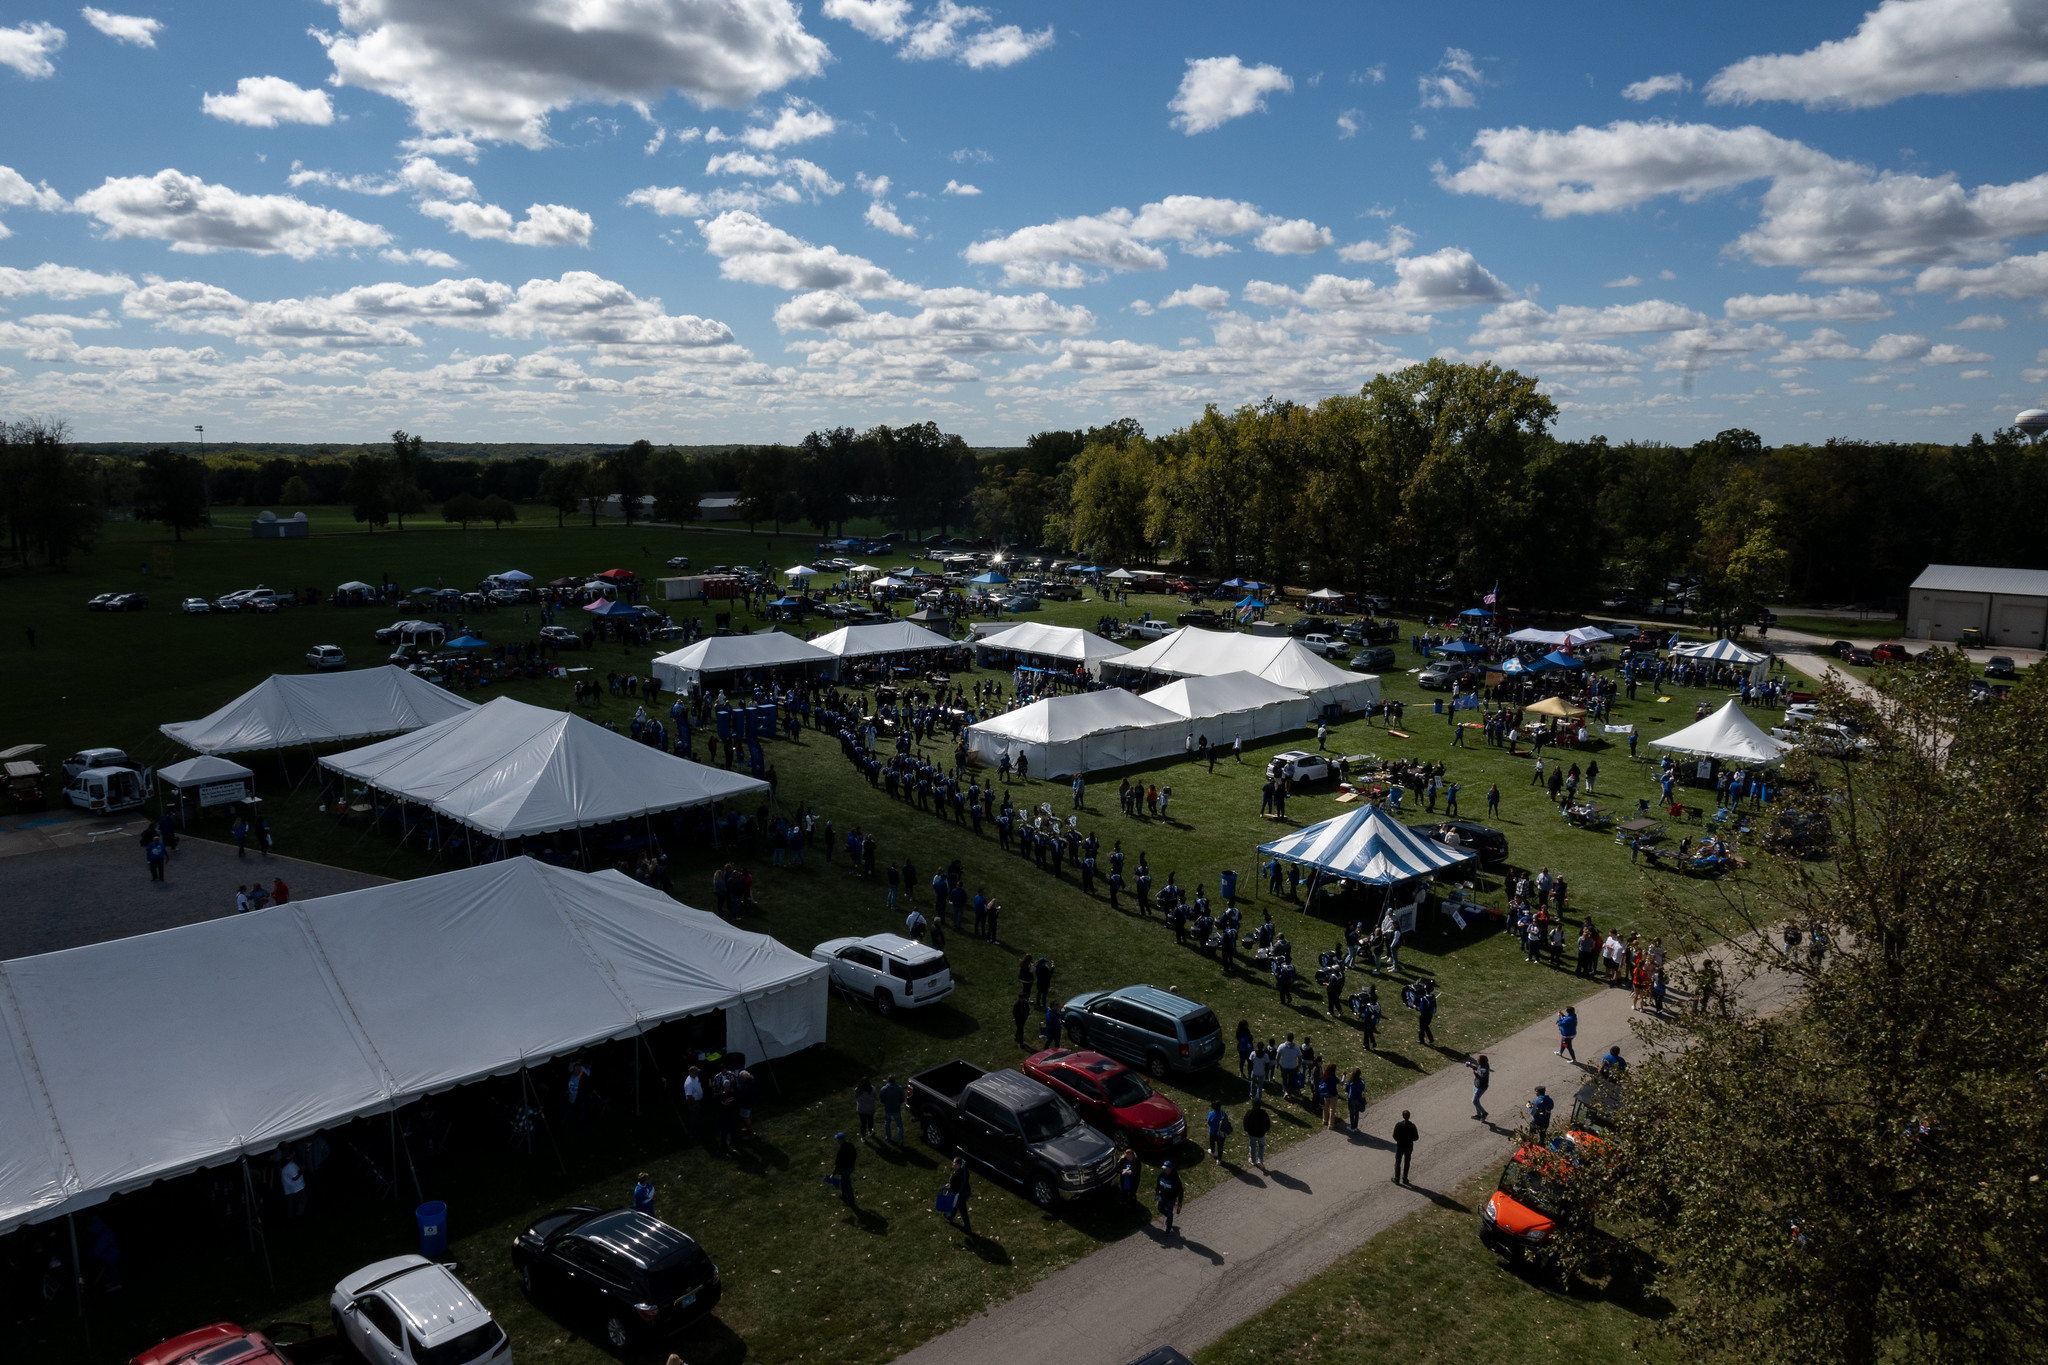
(702, 220)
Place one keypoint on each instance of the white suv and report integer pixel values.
(1298, 764)
(889, 969)
(410, 1311)
(325, 657)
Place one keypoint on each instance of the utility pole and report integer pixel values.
(204, 491)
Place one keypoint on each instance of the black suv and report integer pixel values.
(1490, 844)
(627, 1270)
(1198, 616)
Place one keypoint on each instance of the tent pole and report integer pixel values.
(394, 1151)
(582, 853)
(77, 1267)
(636, 1077)
(408, 1163)
(256, 1236)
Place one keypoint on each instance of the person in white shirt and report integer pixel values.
(693, 1098)
(292, 1181)
(242, 906)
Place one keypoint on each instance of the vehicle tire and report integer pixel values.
(1076, 1035)
(528, 1280)
(616, 1332)
(1045, 1191)
(1155, 1066)
(935, 1136)
(885, 1003)
(1126, 1138)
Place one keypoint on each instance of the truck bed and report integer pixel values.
(946, 1082)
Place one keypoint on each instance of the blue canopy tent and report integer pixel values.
(787, 602)
(467, 642)
(1475, 611)
(1235, 583)
(606, 606)
(1559, 659)
(1460, 648)
(990, 577)
(1250, 602)
(1367, 845)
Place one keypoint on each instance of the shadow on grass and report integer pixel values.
(1442, 1201)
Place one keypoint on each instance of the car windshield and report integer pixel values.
(1046, 1121)
(474, 1344)
(1125, 1090)
(1532, 1189)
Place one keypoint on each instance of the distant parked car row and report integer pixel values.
(118, 601)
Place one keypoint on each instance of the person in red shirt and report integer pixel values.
(280, 893)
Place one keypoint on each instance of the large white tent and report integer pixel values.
(510, 770)
(1721, 651)
(890, 637)
(1367, 845)
(1040, 644)
(287, 710)
(1577, 635)
(1080, 732)
(1228, 705)
(718, 657)
(1192, 653)
(1728, 735)
(327, 1010)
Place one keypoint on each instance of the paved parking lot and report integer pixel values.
(69, 893)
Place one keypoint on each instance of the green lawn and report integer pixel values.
(846, 1290)
(1425, 1291)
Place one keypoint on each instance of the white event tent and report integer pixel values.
(1728, 735)
(1578, 635)
(287, 710)
(1080, 732)
(705, 663)
(1228, 705)
(1039, 644)
(1367, 845)
(891, 637)
(1722, 651)
(511, 770)
(332, 1009)
(1192, 653)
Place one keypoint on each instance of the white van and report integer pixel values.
(105, 790)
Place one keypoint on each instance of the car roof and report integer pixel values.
(895, 945)
(433, 1302)
(1094, 1063)
(1164, 1001)
(640, 1238)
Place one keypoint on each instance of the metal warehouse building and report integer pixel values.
(2009, 605)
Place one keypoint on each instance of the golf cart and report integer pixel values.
(24, 776)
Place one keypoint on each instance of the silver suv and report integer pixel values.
(1148, 1027)
(410, 1311)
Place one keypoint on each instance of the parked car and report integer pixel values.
(893, 971)
(679, 562)
(1373, 659)
(1821, 736)
(1442, 676)
(106, 790)
(561, 637)
(94, 758)
(1112, 1098)
(1840, 649)
(1061, 592)
(628, 1271)
(1860, 657)
(127, 601)
(225, 1343)
(1489, 843)
(1891, 652)
(1152, 630)
(1020, 602)
(1157, 1030)
(1323, 645)
(324, 657)
(100, 603)
(1980, 690)
(196, 606)
(1299, 764)
(410, 1311)
(2000, 666)
(1529, 1204)
(1199, 616)
(1013, 1127)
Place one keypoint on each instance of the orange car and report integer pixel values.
(1523, 1213)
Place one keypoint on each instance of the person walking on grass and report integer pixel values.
(842, 1168)
(1405, 1135)
(892, 1096)
(1020, 1010)
(865, 1104)
(1482, 1076)
(961, 1189)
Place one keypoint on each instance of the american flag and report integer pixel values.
(1490, 598)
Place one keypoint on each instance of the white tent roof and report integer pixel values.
(510, 769)
(1729, 735)
(893, 637)
(1058, 642)
(355, 585)
(333, 1008)
(1221, 695)
(1077, 715)
(1366, 845)
(286, 710)
(1722, 651)
(195, 772)
(1190, 652)
(728, 653)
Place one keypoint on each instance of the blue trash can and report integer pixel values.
(433, 1221)
(1439, 706)
(1227, 883)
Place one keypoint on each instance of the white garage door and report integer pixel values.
(2020, 623)
(1954, 615)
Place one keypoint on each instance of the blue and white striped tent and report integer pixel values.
(1366, 845)
(1720, 651)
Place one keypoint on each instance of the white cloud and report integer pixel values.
(1523, 321)
(787, 178)
(194, 216)
(1122, 240)
(754, 251)
(1347, 124)
(1399, 239)
(883, 215)
(59, 282)
(423, 176)
(266, 101)
(1454, 84)
(1004, 46)
(544, 224)
(2022, 277)
(1654, 86)
(1978, 322)
(1625, 282)
(1948, 353)
(956, 187)
(488, 71)
(798, 121)
(1449, 278)
(1216, 90)
(1902, 48)
(963, 155)
(27, 48)
(1844, 305)
(440, 260)
(132, 29)
(16, 192)
(1295, 237)
(1598, 170)
(1207, 297)
(886, 20)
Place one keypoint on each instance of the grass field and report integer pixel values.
(804, 1281)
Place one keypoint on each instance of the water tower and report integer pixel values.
(2033, 421)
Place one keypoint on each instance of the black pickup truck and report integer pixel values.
(1011, 1126)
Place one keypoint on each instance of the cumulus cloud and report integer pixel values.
(788, 179)
(1399, 239)
(798, 121)
(947, 31)
(27, 48)
(2022, 277)
(1295, 237)
(1645, 90)
(1599, 170)
(673, 201)
(439, 260)
(1523, 321)
(492, 72)
(1048, 255)
(266, 101)
(1454, 84)
(754, 251)
(421, 175)
(964, 190)
(1978, 322)
(16, 192)
(883, 215)
(132, 29)
(1902, 48)
(1207, 297)
(1215, 90)
(544, 224)
(1625, 282)
(197, 217)
(886, 20)
(1844, 305)
(59, 282)
(1449, 278)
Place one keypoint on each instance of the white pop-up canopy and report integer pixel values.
(1367, 845)
(709, 659)
(1728, 735)
(1037, 641)
(1193, 653)
(1723, 651)
(287, 710)
(511, 770)
(1080, 732)
(326, 1010)
(1230, 705)
(892, 637)
(200, 771)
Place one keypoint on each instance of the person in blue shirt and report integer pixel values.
(1539, 1113)
(1612, 1067)
(1567, 1032)
(643, 1195)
